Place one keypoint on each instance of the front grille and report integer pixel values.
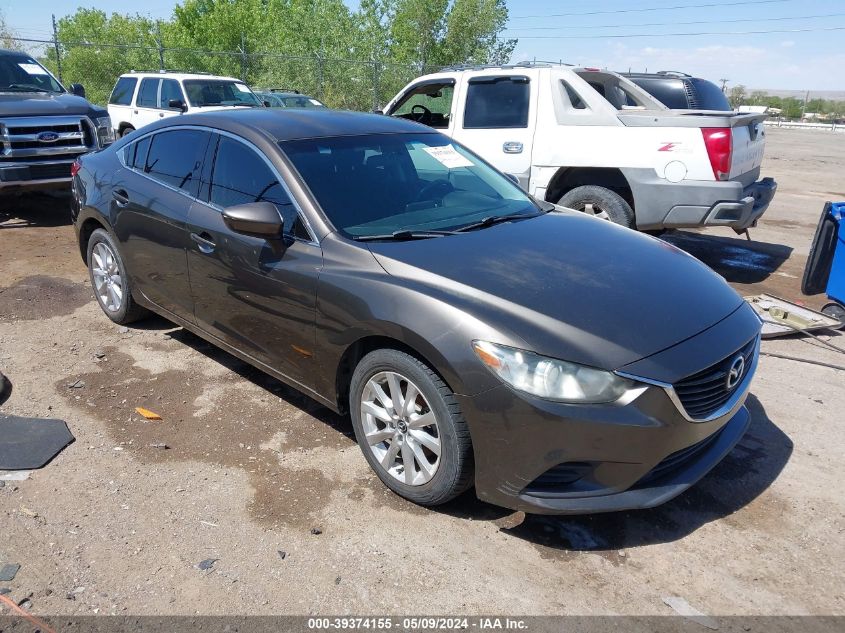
(704, 392)
(19, 140)
(676, 460)
(558, 478)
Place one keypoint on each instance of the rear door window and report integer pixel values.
(123, 91)
(148, 93)
(175, 158)
(497, 102)
(240, 176)
(170, 89)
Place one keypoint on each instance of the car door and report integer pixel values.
(146, 103)
(257, 295)
(497, 122)
(170, 89)
(150, 203)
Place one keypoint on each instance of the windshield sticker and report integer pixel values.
(315, 102)
(448, 156)
(242, 87)
(33, 69)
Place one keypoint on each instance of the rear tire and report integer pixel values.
(835, 310)
(397, 437)
(600, 202)
(110, 281)
(126, 130)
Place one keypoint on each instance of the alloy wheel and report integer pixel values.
(400, 428)
(108, 283)
(594, 209)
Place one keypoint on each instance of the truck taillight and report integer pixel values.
(718, 141)
(75, 167)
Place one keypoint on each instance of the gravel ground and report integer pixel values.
(117, 524)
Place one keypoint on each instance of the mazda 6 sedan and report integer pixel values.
(477, 337)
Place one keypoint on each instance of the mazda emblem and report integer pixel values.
(735, 372)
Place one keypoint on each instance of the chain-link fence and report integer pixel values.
(340, 83)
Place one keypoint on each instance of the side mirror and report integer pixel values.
(258, 219)
(177, 104)
(78, 90)
(378, 111)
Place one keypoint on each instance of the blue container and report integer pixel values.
(825, 270)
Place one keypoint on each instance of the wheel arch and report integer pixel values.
(86, 230)
(356, 350)
(568, 178)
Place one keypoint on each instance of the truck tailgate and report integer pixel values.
(749, 141)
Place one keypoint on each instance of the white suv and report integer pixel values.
(139, 98)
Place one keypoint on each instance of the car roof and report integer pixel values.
(289, 125)
(19, 54)
(178, 76)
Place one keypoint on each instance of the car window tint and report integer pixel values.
(175, 158)
(123, 90)
(670, 92)
(148, 93)
(241, 175)
(138, 153)
(498, 103)
(430, 104)
(169, 90)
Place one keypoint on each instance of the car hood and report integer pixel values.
(37, 104)
(569, 286)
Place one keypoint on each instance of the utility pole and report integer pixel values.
(160, 46)
(243, 57)
(724, 85)
(58, 50)
(804, 106)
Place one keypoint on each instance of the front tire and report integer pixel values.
(410, 428)
(601, 203)
(110, 281)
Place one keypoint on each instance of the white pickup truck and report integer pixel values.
(591, 140)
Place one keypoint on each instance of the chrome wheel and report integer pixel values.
(400, 428)
(108, 283)
(593, 209)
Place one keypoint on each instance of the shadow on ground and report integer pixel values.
(738, 480)
(35, 209)
(736, 259)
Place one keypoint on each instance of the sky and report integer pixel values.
(808, 53)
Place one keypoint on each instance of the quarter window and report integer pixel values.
(241, 176)
(175, 158)
(137, 153)
(497, 102)
(169, 90)
(123, 91)
(148, 93)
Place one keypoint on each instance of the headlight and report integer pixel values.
(105, 132)
(550, 378)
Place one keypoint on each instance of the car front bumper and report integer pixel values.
(544, 457)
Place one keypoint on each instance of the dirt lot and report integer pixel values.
(115, 525)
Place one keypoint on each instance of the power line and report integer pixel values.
(620, 26)
(644, 9)
(598, 37)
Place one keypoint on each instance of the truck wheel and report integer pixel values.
(410, 428)
(600, 202)
(110, 281)
(127, 130)
(835, 310)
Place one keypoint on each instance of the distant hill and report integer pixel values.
(833, 95)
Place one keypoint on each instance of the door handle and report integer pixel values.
(120, 196)
(161, 114)
(512, 147)
(204, 242)
(134, 112)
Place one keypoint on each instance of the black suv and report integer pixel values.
(680, 91)
(43, 127)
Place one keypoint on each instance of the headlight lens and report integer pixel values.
(105, 132)
(550, 378)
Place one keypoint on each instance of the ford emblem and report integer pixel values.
(47, 137)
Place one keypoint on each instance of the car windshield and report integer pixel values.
(300, 101)
(377, 185)
(219, 92)
(24, 74)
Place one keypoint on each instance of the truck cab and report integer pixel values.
(591, 140)
(44, 128)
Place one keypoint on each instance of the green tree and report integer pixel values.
(737, 95)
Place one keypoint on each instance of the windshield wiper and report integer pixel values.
(498, 219)
(22, 88)
(402, 234)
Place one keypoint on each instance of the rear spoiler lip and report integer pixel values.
(688, 118)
